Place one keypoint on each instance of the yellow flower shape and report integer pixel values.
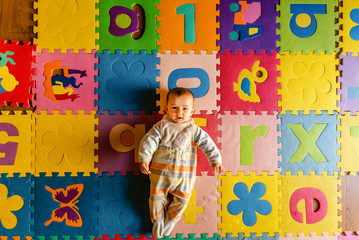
(310, 81)
(8, 205)
(65, 143)
(67, 20)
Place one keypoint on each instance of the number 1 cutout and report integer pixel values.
(188, 11)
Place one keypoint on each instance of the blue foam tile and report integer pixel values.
(127, 82)
(11, 191)
(123, 205)
(78, 195)
(326, 142)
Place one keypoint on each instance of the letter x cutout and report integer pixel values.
(307, 142)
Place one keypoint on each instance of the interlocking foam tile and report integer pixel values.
(65, 81)
(249, 203)
(16, 205)
(66, 205)
(123, 202)
(16, 147)
(249, 142)
(200, 215)
(119, 139)
(248, 25)
(209, 123)
(348, 236)
(194, 71)
(251, 237)
(313, 236)
(309, 82)
(299, 193)
(15, 238)
(350, 190)
(62, 237)
(309, 142)
(349, 140)
(349, 29)
(248, 82)
(66, 24)
(349, 90)
(192, 236)
(128, 236)
(127, 81)
(129, 25)
(188, 26)
(65, 143)
(15, 73)
(309, 26)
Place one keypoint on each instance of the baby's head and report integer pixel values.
(179, 105)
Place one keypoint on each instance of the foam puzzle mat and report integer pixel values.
(275, 85)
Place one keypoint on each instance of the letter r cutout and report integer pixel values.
(307, 142)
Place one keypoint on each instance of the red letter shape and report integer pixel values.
(308, 194)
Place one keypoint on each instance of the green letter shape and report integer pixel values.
(354, 131)
(307, 142)
(247, 141)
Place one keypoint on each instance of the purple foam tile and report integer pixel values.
(266, 21)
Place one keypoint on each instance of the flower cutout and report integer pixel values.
(119, 207)
(9, 205)
(129, 83)
(65, 144)
(66, 20)
(310, 82)
(249, 202)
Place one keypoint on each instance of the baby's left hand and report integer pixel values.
(217, 167)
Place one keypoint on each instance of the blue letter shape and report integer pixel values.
(309, 9)
(190, 73)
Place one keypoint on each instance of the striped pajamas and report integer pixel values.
(173, 172)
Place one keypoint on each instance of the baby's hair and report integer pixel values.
(179, 91)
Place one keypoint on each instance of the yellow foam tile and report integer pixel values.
(65, 143)
(309, 82)
(349, 140)
(16, 142)
(249, 203)
(298, 194)
(66, 24)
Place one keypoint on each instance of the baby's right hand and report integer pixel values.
(145, 168)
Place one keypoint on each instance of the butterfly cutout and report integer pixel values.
(68, 210)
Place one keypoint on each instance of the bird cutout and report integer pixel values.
(68, 210)
(246, 87)
(7, 81)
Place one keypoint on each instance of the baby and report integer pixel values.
(171, 146)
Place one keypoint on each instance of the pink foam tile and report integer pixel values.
(347, 235)
(75, 90)
(204, 212)
(194, 71)
(113, 158)
(209, 123)
(313, 236)
(235, 68)
(264, 149)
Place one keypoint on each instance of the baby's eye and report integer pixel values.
(185, 109)
(174, 107)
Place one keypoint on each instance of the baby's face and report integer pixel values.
(180, 108)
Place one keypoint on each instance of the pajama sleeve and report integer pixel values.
(149, 144)
(206, 144)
